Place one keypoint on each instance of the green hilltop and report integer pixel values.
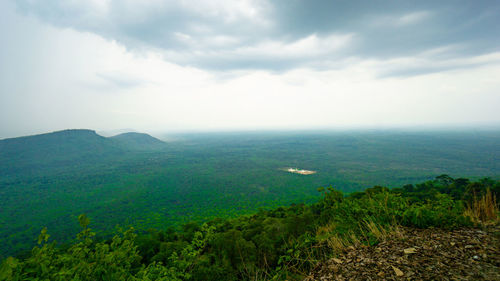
(139, 141)
(66, 150)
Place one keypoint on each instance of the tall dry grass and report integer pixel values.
(483, 209)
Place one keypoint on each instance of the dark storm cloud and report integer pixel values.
(386, 28)
(227, 35)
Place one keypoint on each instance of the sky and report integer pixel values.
(215, 65)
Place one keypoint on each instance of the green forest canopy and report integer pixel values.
(282, 243)
(203, 176)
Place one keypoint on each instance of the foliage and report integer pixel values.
(199, 177)
(442, 212)
(278, 244)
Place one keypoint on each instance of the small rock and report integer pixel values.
(475, 257)
(397, 271)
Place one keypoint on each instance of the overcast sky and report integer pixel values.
(158, 65)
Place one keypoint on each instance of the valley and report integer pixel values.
(137, 180)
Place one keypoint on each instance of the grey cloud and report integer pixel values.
(438, 60)
(423, 70)
(121, 81)
(380, 34)
(383, 29)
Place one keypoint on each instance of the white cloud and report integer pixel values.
(431, 61)
(306, 51)
(74, 85)
(307, 47)
(230, 11)
(404, 20)
(206, 42)
(262, 34)
(413, 17)
(110, 14)
(73, 79)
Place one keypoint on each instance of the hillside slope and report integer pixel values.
(199, 177)
(67, 150)
(422, 232)
(62, 149)
(138, 141)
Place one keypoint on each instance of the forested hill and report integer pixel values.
(63, 150)
(139, 141)
(56, 146)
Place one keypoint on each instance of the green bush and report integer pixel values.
(443, 211)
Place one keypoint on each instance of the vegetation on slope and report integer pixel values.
(66, 151)
(139, 141)
(283, 243)
(204, 176)
(39, 154)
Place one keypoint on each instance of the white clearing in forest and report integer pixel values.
(301, 172)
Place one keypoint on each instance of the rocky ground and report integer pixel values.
(420, 254)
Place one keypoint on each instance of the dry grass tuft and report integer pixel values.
(483, 209)
(353, 238)
(378, 231)
(336, 243)
(396, 231)
(326, 230)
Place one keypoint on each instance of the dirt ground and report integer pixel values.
(420, 254)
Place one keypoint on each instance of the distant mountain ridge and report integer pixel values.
(66, 149)
(57, 144)
(61, 133)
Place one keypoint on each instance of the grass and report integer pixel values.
(483, 209)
